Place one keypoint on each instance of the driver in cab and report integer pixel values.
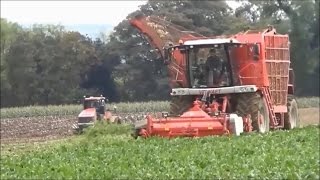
(215, 69)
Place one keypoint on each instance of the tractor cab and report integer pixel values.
(94, 108)
(95, 102)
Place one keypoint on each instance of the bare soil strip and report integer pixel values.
(35, 129)
(309, 116)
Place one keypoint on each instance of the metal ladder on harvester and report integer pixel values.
(272, 115)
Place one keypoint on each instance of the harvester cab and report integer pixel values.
(224, 84)
(94, 109)
(207, 61)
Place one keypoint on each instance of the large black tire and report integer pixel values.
(291, 119)
(255, 105)
(180, 104)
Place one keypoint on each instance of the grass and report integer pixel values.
(136, 107)
(108, 152)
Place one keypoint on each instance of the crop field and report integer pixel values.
(40, 123)
(37, 142)
(67, 110)
(135, 107)
(109, 152)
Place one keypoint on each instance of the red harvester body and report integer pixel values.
(253, 91)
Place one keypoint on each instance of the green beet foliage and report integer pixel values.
(106, 152)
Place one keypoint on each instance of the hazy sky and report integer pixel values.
(69, 12)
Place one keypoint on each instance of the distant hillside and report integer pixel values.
(92, 30)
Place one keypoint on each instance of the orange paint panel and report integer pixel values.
(177, 69)
(187, 127)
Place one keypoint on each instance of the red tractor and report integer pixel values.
(94, 109)
(221, 85)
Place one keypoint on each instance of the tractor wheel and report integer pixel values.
(135, 134)
(180, 104)
(291, 118)
(118, 120)
(78, 130)
(253, 104)
(137, 126)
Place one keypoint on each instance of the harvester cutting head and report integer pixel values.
(200, 119)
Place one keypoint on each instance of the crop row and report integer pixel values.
(65, 110)
(134, 107)
(108, 152)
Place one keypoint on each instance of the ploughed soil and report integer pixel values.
(37, 129)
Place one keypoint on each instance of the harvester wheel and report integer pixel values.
(291, 119)
(255, 105)
(180, 104)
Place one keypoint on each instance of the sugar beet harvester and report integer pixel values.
(248, 85)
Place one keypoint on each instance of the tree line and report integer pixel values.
(48, 64)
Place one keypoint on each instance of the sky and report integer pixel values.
(88, 17)
(68, 12)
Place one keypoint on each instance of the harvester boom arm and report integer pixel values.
(160, 32)
(154, 39)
